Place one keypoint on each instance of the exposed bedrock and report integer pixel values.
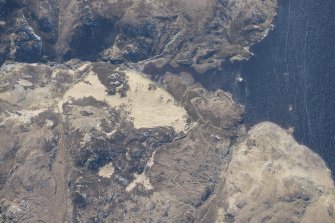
(198, 33)
(77, 148)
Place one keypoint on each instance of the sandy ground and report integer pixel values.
(143, 179)
(25, 116)
(107, 171)
(29, 99)
(147, 108)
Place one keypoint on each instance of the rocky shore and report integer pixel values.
(87, 136)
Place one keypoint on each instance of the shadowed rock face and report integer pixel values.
(199, 33)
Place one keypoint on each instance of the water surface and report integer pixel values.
(291, 78)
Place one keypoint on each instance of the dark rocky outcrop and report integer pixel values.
(197, 33)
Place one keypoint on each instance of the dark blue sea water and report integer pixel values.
(291, 78)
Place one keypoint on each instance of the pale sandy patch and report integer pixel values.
(89, 87)
(220, 215)
(147, 108)
(140, 179)
(151, 108)
(106, 171)
(29, 99)
(25, 116)
(83, 67)
(151, 161)
(143, 178)
(24, 83)
(109, 134)
(49, 123)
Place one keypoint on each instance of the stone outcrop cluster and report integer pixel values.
(101, 141)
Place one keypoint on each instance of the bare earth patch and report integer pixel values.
(147, 108)
(107, 171)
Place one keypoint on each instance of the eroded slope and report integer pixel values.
(197, 33)
(271, 178)
(74, 146)
(97, 158)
